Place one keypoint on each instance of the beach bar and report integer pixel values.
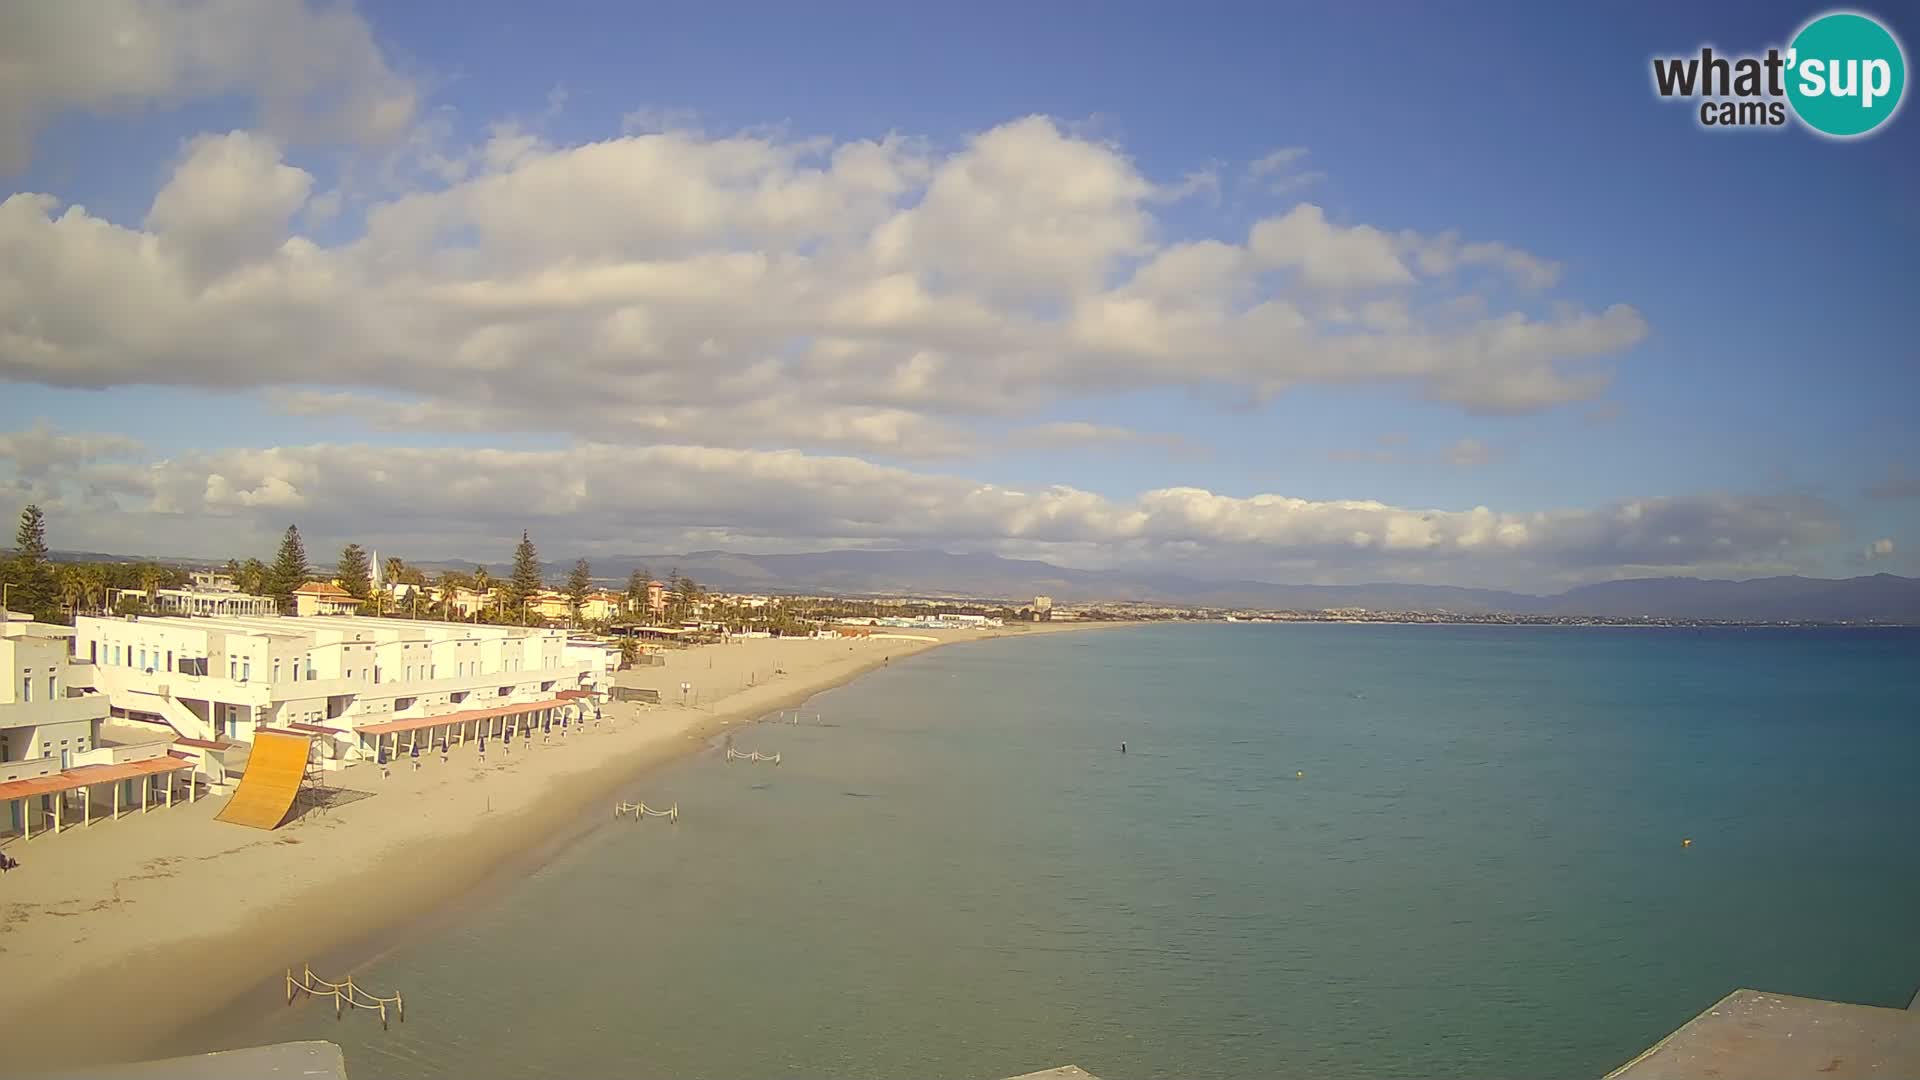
(454, 729)
(45, 797)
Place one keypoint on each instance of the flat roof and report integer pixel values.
(415, 723)
(1750, 1033)
(88, 775)
(206, 744)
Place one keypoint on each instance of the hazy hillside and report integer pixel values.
(881, 573)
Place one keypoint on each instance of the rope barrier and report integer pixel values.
(344, 994)
(642, 811)
(735, 755)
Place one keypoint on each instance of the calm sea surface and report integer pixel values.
(955, 873)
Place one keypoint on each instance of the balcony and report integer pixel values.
(56, 711)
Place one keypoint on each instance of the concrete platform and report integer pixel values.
(282, 1061)
(1753, 1034)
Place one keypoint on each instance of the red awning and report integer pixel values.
(88, 775)
(576, 695)
(389, 727)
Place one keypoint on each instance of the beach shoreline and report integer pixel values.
(161, 922)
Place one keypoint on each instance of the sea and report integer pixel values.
(1328, 851)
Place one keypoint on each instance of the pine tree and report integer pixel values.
(579, 584)
(356, 573)
(289, 570)
(526, 575)
(252, 576)
(34, 590)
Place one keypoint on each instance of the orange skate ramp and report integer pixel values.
(266, 791)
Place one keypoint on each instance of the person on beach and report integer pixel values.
(443, 751)
(7, 862)
(413, 753)
(483, 751)
(1123, 748)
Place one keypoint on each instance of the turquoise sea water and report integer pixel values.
(956, 874)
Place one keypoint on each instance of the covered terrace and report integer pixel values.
(455, 729)
(45, 797)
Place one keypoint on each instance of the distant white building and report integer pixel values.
(224, 678)
(206, 594)
(951, 619)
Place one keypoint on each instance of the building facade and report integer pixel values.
(323, 598)
(206, 594)
(224, 678)
(47, 717)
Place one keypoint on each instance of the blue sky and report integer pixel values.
(1772, 271)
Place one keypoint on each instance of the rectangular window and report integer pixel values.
(143, 658)
(246, 668)
(93, 652)
(53, 688)
(276, 669)
(169, 659)
(26, 689)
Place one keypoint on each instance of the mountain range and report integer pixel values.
(1878, 597)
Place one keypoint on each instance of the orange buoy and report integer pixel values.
(1687, 842)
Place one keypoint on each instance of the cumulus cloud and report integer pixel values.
(228, 204)
(887, 294)
(599, 497)
(314, 71)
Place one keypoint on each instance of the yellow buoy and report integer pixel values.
(1688, 842)
(1299, 775)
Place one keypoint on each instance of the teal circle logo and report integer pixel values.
(1845, 74)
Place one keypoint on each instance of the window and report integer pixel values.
(26, 689)
(276, 669)
(233, 668)
(143, 659)
(169, 659)
(246, 668)
(53, 688)
(93, 652)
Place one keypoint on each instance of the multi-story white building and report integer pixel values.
(50, 747)
(223, 678)
(45, 717)
(208, 594)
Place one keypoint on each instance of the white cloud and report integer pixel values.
(1326, 254)
(607, 498)
(1281, 171)
(868, 295)
(228, 204)
(315, 72)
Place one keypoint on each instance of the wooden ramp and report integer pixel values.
(274, 772)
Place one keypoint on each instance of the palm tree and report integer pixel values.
(93, 585)
(482, 583)
(71, 582)
(151, 576)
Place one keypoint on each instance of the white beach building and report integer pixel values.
(216, 679)
(51, 754)
(207, 594)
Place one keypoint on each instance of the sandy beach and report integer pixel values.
(114, 937)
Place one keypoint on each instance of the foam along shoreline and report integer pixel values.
(98, 919)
